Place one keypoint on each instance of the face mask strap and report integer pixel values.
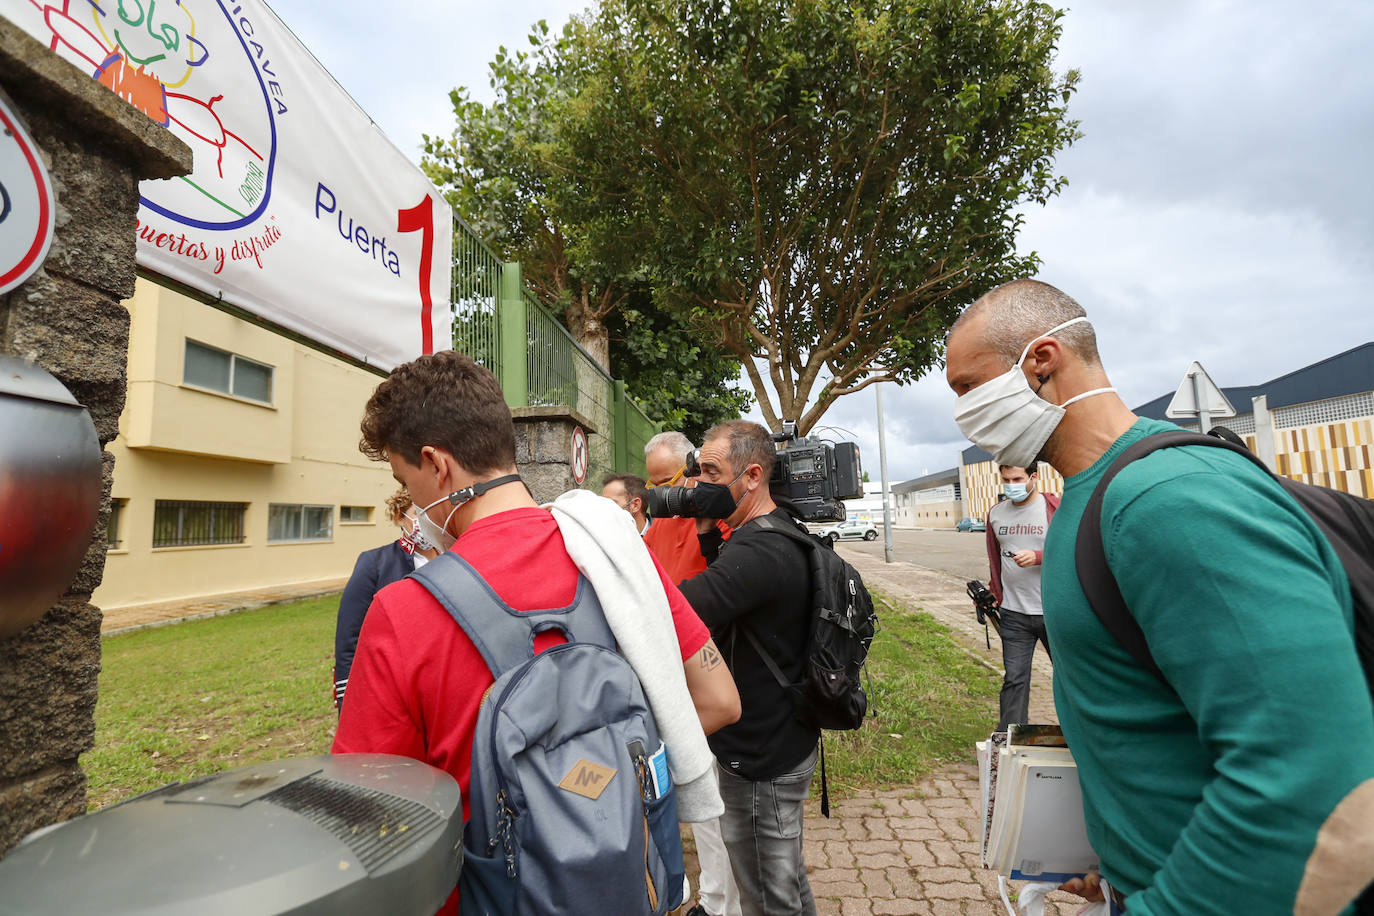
(467, 494)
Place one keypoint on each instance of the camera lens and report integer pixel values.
(667, 502)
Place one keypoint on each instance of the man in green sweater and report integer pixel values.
(1246, 784)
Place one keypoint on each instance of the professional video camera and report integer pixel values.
(810, 478)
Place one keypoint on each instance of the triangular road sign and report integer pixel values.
(1185, 402)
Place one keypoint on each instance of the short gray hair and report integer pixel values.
(749, 443)
(1022, 310)
(675, 442)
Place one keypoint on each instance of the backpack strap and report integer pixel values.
(768, 523)
(503, 635)
(1090, 554)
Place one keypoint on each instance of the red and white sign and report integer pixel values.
(581, 455)
(26, 203)
(299, 210)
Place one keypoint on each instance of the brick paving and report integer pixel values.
(915, 849)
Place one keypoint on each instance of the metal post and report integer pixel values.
(511, 317)
(882, 464)
(1204, 419)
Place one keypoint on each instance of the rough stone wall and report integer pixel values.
(68, 319)
(543, 450)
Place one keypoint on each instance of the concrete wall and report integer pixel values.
(67, 319)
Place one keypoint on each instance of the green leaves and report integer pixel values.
(825, 184)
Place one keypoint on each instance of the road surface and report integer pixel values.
(959, 553)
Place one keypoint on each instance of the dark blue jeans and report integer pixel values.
(762, 829)
(1020, 633)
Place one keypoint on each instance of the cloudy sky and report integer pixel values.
(1220, 206)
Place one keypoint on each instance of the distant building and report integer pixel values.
(1313, 424)
(236, 466)
(933, 501)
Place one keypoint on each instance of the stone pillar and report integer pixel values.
(68, 319)
(543, 449)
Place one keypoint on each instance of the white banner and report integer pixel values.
(299, 209)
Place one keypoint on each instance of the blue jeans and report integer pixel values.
(1020, 633)
(762, 829)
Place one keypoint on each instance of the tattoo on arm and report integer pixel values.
(710, 658)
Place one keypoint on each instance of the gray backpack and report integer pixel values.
(571, 808)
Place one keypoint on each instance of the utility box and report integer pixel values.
(329, 835)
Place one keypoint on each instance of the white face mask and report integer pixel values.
(1015, 492)
(430, 536)
(437, 535)
(413, 533)
(1004, 417)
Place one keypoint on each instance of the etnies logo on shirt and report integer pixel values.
(1004, 530)
(587, 779)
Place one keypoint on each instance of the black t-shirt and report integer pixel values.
(763, 580)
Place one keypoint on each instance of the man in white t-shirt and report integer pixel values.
(1016, 546)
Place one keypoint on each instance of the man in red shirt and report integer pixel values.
(417, 681)
(673, 541)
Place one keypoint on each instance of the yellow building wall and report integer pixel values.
(177, 442)
(1338, 455)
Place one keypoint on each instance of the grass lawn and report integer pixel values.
(182, 701)
(186, 700)
(932, 702)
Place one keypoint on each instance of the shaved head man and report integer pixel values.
(1239, 778)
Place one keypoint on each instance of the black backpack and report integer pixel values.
(830, 693)
(1346, 520)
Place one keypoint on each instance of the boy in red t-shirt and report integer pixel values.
(417, 681)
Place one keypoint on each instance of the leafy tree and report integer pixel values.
(496, 171)
(821, 184)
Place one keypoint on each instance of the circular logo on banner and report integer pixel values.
(581, 455)
(200, 70)
(26, 203)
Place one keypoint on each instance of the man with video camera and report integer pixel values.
(755, 589)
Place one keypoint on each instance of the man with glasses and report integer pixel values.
(674, 542)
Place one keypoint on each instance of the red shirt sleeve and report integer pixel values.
(376, 717)
(691, 632)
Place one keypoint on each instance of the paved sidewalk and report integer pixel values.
(915, 849)
(141, 616)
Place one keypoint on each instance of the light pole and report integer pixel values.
(882, 464)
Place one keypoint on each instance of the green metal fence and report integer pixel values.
(502, 325)
(476, 284)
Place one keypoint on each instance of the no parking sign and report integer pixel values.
(581, 455)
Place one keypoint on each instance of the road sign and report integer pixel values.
(581, 455)
(1197, 389)
(26, 203)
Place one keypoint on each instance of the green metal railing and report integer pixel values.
(476, 284)
(502, 325)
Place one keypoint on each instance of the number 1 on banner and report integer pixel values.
(421, 218)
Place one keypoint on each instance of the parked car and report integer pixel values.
(968, 523)
(849, 528)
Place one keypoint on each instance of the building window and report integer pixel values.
(183, 523)
(299, 523)
(227, 373)
(112, 540)
(355, 514)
